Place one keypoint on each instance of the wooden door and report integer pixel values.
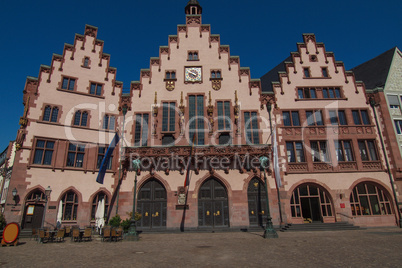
(257, 205)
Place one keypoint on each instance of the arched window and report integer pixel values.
(55, 113)
(46, 114)
(96, 202)
(70, 206)
(369, 199)
(80, 118)
(36, 195)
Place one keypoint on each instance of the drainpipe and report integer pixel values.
(391, 179)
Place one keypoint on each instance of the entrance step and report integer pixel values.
(337, 226)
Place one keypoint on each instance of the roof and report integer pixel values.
(374, 72)
(272, 76)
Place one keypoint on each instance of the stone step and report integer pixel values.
(337, 226)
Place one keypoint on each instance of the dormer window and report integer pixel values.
(192, 55)
(306, 72)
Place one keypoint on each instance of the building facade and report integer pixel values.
(198, 125)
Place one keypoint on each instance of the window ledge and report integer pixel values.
(321, 99)
(215, 79)
(318, 77)
(80, 93)
(169, 79)
(86, 67)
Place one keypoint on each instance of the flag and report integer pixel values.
(105, 160)
(276, 160)
(187, 179)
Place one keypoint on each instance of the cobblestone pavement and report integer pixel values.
(379, 247)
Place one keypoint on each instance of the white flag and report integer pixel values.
(276, 160)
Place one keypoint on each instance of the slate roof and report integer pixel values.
(374, 72)
(272, 76)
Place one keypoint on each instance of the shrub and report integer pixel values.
(115, 221)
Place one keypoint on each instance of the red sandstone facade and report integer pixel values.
(196, 88)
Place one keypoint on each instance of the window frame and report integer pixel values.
(360, 120)
(216, 74)
(44, 150)
(143, 132)
(334, 91)
(251, 127)
(168, 119)
(291, 152)
(80, 150)
(224, 115)
(95, 202)
(314, 118)
(193, 55)
(80, 124)
(324, 72)
(53, 115)
(101, 155)
(324, 155)
(371, 153)
(336, 116)
(68, 87)
(292, 120)
(96, 87)
(74, 206)
(170, 75)
(306, 72)
(383, 198)
(106, 124)
(342, 150)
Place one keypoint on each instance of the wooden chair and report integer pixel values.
(119, 234)
(43, 236)
(106, 234)
(34, 234)
(87, 234)
(76, 235)
(60, 235)
(68, 231)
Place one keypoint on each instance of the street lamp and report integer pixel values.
(14, 192)
(132, 231)
(124, 111)
(269, 228)
(48, 190)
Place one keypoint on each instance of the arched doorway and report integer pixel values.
(34, 207)
(257, 205)
(151, 205)
(213, 209)
(312, 203)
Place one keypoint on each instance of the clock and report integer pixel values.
(193, 74)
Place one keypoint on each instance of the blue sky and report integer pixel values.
(261, 32)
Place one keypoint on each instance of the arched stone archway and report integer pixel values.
(213, 209)
(311, 202)
(34, 208)
(151, 204)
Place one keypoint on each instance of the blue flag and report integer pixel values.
(105, 160)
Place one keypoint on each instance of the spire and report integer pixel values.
(193, 8)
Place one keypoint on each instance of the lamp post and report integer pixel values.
(269, 109)
(48, 190)
(132, 231)
(269, 228)
(391, 179)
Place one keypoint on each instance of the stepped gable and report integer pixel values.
(309, 54)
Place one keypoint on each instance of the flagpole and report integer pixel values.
(269, 109)
(120, 160)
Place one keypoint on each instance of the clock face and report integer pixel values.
(193, 74)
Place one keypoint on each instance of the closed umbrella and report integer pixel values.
(59, 214)
(102, 214)
(97, 215)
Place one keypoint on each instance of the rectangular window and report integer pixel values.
(95, 89)
(319, 151)
(75, 156)
(343, 150)
(43, 152)
(291, 118)
(306, 72)
(68, 83)
(314, 118)
(251, 127)
(307, 93)
(101, 155)
(398, 126)
(324, 72)
(331, 93)
(338, 118)
(295, 151)
(141, 130)
(196, 118)
(192, 55)
(393, 101)
(368, 150)
(360, 117)
(216, 74)
(109, 122)
(224, 120)
(170, 75)
(168, 116)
